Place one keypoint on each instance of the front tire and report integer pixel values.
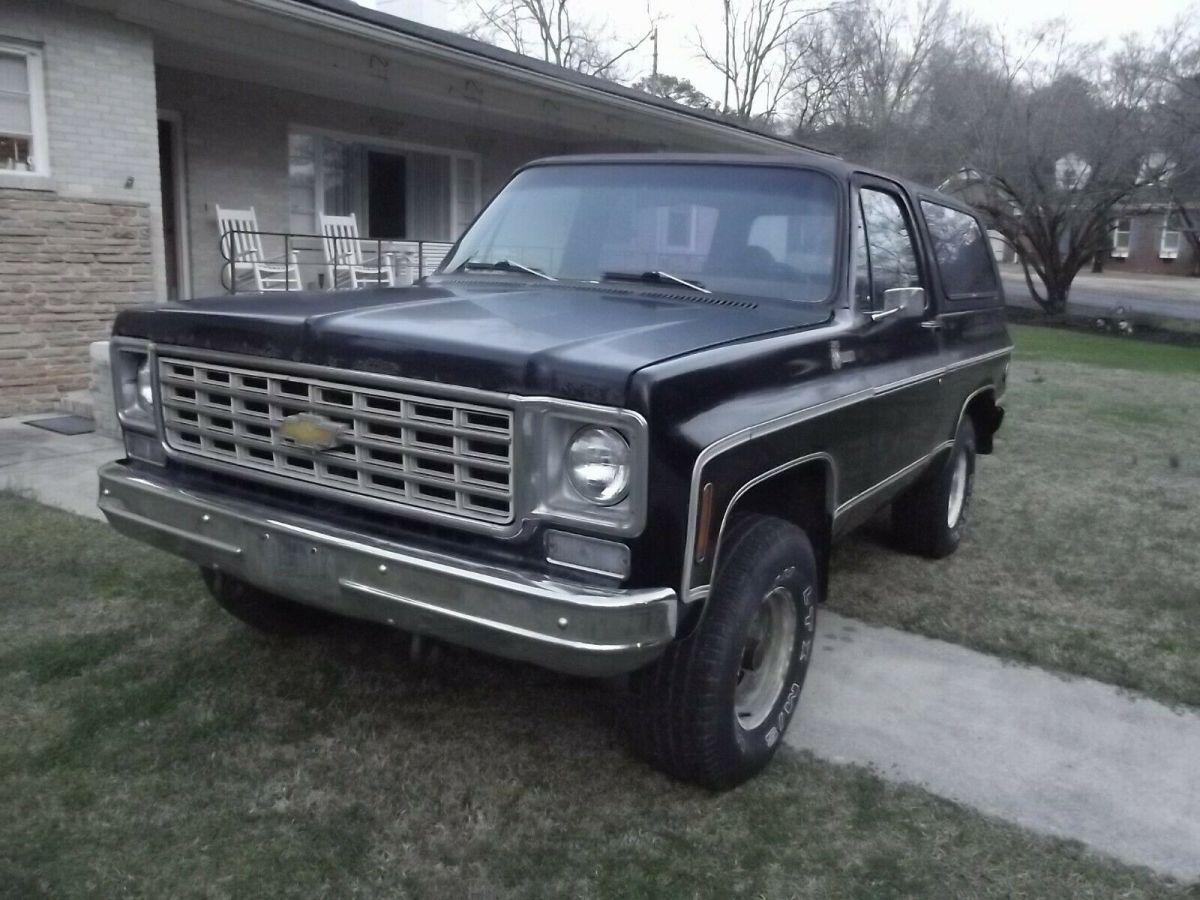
(261, 610)
(713, 709)
(931, 517)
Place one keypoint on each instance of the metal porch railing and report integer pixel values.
(306, 261)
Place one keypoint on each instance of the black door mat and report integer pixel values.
(65, 424)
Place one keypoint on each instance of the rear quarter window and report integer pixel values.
(964, 257)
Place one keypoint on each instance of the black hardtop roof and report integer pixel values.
(801, 159)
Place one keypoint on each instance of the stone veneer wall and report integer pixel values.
(67, 265)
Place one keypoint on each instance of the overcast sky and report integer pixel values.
(1094, 20)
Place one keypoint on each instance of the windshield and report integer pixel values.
(745, 230)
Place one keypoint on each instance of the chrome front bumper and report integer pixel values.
(521, 615)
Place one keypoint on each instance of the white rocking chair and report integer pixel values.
(345, 262)
(241, 245)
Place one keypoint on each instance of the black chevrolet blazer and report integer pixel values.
(616, 432)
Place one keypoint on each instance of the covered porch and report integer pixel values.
(300, 111)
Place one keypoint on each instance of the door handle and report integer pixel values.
(932, 324)
(878, 314)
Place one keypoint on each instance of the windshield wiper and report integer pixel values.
(504, 265)
(656, 277)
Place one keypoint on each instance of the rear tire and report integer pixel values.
(713, 709)
(931, 517)
(261, 610)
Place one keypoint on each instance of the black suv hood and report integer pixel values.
(580, 342)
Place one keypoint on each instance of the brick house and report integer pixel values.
(124, 124)
(1153, 239)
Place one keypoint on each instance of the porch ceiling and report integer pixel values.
(302, 48)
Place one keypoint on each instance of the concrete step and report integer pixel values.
(77, 403)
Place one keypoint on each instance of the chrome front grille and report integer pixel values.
(422, 452)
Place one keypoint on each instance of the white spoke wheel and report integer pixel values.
(930, 518)
(766, 658)
(958, 489)
(714, 708)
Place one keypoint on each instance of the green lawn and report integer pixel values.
(152, 747)
(1039, 344)
(1084, 548)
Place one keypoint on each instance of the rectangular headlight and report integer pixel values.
(558, 424)
(133, 384)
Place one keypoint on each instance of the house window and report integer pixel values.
(1120, 238)
(22, 111)
(394, 191)
(1172, 237)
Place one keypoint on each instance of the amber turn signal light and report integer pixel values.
(704, 526)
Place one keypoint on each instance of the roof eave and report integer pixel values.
(364, 26)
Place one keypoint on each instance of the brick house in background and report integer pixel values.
(1152, 240)
(125, 123)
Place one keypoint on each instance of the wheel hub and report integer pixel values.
(766, 658)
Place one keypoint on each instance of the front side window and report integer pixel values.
(963, 254)
(745, 230)
(884, 250)
(22, 113)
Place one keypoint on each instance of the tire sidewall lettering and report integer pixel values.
(772, 731)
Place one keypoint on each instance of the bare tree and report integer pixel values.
(1063, 142)
(756, 61)
(826, 49)
(680, 90)
(1052, 139)
(549, 29)
(862, 68)
(1172, 61)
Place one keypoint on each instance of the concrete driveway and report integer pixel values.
(1061, 755)
(57, 469)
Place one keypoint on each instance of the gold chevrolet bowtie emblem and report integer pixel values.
(312, 432)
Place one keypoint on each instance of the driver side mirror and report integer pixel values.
(907, 300)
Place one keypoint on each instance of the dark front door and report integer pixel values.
(387, 197)
(903, 352)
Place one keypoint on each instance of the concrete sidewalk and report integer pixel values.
(1061, 755)
(59, 470)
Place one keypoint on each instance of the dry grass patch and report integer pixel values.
(154, 748)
